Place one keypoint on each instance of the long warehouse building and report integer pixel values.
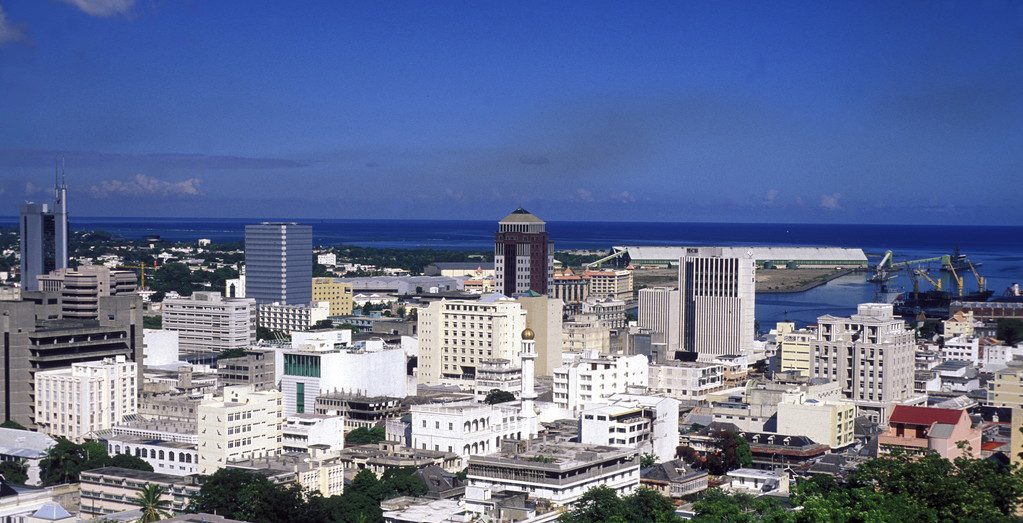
(799, 257)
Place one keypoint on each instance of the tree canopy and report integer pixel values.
(66, 460)
(602, 505)
(496, 396)
(364, 436)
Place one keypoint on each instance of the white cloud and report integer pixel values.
(31, 188)
(103, 7)
(10, 32)
(584, 195)
(624, 197)
(142, 185)
(830, 201)
(772, 194)
(454, 195)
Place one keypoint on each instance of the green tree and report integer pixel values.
(1009, 330)
(126, 461)
(364, 436)
(11, 424)
(597, 505)
(231, 354)
(647, 461)
(15, 472)
(152, 504)
(648, 506)
(717, 506)
(324, 324)
(65, 460)
(152, 322)
(249, 496)
(496, 396)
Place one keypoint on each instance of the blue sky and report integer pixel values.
(844, 112)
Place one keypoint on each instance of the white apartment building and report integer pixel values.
(610, 283)
(658, 311)
(589, 376)
(646, 423)
(871, 356)
(318, 364)
(456, 335)
(329, 259)
(986, 353)
(243, 424)
(288, 318)
(716, 302)
(208, 322)
(89, 397)
(691, 381)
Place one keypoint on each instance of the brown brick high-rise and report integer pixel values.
(523, 254)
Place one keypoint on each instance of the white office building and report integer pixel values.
(208, 322)
(455, 336)
(289, 318)
(318, 364)
(243, 424)
(89, 397)
(716, 302)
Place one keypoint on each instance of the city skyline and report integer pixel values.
(775, 112)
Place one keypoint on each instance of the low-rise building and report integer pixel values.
(288, 318)
(468, 428)
(674, 479)
(390, 455)
(319, 471)
(497, 374)
(916, 430)
(110, 490)
(254, 367)
(27, 447)
(758, 481)
(557, 472)
(302, 431)
(165, 456)
(682, 380)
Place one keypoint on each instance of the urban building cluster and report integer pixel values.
(512, 387)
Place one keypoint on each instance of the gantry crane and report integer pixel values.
(980, 279)
(958, 279)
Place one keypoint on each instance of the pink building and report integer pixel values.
(916, 430)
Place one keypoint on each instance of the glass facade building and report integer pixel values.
(279, 263)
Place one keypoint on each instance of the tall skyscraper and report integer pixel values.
(279, 263)
(44, 236)
(716, 302)
(523, 254)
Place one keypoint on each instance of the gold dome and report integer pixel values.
(528, 334)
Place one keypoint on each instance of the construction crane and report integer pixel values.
(980, 279)
(958, 279)
(142, 270)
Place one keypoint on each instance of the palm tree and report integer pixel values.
(152, 506)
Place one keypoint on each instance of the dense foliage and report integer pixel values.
(248, 496)
(66, 460)
(1009, 330)
(11, 424)
(152, 322)
(732, 452)
(14, 472)
(496, 396)
(364, 436)
(602, 505)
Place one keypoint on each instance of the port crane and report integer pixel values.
(980, 279)
(958, 279)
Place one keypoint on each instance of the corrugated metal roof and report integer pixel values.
(759, 253)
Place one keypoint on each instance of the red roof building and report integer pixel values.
(917, 430)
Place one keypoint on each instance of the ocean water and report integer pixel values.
(998, 250)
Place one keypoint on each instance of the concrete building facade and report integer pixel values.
(590, 376)
(658, 311)
(208, 322)
(80, 289)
